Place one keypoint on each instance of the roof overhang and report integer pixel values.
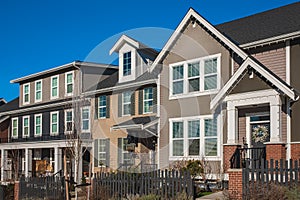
(200, 20)
(249, 63)
(4, 119)
(124, 39)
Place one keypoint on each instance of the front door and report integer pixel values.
(258, 134)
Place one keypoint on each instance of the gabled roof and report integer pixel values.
(12, 105)
(263, 72)
(197, 18)
(126, 39)
(269, 24)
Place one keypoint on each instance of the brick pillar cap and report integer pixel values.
(278, 143)
(232, 145)
(234, 170)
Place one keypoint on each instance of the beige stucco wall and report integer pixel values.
(193, 43)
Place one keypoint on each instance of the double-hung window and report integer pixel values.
(103, 152)
(15, 127)
(69, 83)
(85, 119)
(68, 121)
(102, 107)
(54, 122)
(38, 91)
(126, 103)
(195, 77)
(148, 100)
(194, 137)
(38, 125)
(54, 87)
(26, 126)
(127, 64)
(26, 93)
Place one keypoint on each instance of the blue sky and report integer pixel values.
(38, 35)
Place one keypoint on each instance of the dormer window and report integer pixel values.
(127, 64)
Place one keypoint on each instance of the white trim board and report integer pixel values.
(240, 73)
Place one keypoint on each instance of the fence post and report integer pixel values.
(16, 190)
(235, 185)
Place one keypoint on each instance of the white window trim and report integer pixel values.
(54, 97)
(202, 137)
(102, 152)
(202, 92)
(147, 100)
(41, 125)
(27, 84)
(130, 64)
(23, 131)
(99, 107)
(66, 80)
(51, 131)
(66, 122)
(12, 127)
(35, 91)
(124, 152)
(88, 130)
(126, 104)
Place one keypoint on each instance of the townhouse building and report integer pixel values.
(40, 124)
(210, 90)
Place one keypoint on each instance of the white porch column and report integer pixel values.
(275, 119)
(57, 159)
(3, 164)
(232, 125)
(28, 162)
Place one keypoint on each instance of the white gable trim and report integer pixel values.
(209, 26)
(239, 74)
(124, 39)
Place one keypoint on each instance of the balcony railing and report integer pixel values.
(33, 139)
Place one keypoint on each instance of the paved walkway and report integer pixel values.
(215, 196)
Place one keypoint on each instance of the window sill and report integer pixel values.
(194, 94)
(206, 158)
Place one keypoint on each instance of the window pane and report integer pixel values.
(54, 82)
(25, 121)
(69, 78)
(194, 85)
(210, 66)
(54, 128)
(54, 118)
(194, 147)
(178, 148)
(85, 125)
(38, 85)
(148, 93)
(26, 98)
(54, 92)
(38, 120)
(69, 116)
(260, 118)
(69, 88)
(15, 124)
(102, 112)
(178, 72)
(177, 129)
(210, 82)
(126, 97)
(127, 64)
(210, 127)
(102, 101)
(38, 95)
(148, 106)
(211, 147)
(126, 109)
(178, 87)
(193, 69)
(85, 113)
(38, 130)
(194, 129)
(26, 89)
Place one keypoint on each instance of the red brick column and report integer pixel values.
(235, 185)
(295, 151)
(228, 151)
(275, 151)
(16, 190)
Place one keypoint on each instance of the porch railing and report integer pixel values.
(253, 155)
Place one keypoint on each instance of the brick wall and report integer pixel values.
(235, 185)
(275, 151)
(228, 151)
(295, 151)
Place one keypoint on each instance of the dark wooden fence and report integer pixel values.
(42, 188)
(165, 184)
(262, 176)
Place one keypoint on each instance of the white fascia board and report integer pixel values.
(209, 26)
(123, 39)
(120, 87)
(267, 41)
(133, 126)
(5, 118)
